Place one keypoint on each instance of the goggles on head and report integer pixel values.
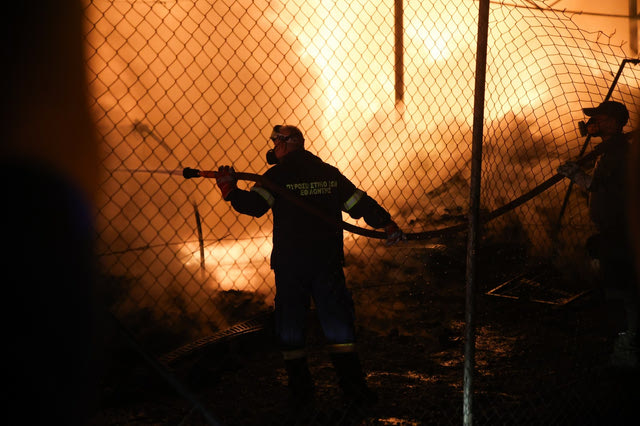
(276, 135)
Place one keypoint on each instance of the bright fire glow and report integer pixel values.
(435, 39)
(232, 265)
(210, 80)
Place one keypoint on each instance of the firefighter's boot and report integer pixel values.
(301, 386)
(352, 380)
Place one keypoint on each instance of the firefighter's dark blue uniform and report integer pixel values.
(608, 208)
(308, 256)
(612, 245)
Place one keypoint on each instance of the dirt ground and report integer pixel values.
(536, 363)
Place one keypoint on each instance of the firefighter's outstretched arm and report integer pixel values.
(253, 203)
(360, 205)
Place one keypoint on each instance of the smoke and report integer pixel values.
(193, 84)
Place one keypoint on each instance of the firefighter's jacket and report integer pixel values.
(608, 190)
(299, 235)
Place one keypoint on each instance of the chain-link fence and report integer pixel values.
(383, 90)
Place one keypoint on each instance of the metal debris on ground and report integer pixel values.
(537, 286)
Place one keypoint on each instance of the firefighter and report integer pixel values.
(612, 245)
(308, 257)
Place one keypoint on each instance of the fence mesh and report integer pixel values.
(200, 83)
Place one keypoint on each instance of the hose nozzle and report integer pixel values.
(189, 173)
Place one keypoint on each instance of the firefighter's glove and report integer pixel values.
(575, 173)
(226, 180)
(569, 169)
(394, 234)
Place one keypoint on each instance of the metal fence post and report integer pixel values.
(399, 51)
(474, 211)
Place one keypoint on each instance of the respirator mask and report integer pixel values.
(271, 157)
(589, 128)
(275, 136)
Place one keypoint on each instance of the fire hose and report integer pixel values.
(260, 323)
(190, 173)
